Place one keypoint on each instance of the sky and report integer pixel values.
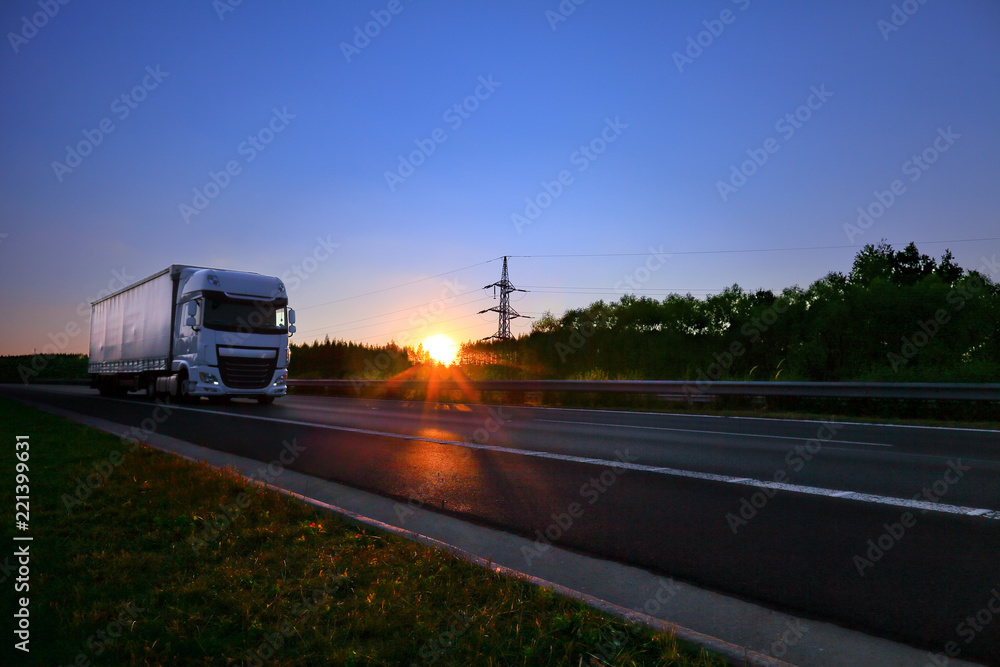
(381, 156)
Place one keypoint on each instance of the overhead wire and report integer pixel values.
(579, 290)
(630, 254)
(364, 326)
(743, 250)
(406, 284)
(409, 309)
(453, 319)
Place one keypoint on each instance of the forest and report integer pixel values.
(897, 316)
(339, 360)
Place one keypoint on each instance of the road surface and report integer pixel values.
(891, 530)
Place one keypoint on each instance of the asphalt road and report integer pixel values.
(891, 530)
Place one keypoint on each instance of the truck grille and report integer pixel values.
(246, 373)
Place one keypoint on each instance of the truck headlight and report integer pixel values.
(209, 378)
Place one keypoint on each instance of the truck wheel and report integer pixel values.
(151, 389)
(182, 395)
(265, 400)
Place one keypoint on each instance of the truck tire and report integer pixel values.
(182, 395)
(265, 400)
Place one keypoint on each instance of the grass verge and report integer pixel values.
(142, 558)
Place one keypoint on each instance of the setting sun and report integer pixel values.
(441, 348)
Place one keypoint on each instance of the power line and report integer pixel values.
(747, 250)
(329, 330)
(594, 291)
(644, 293)
(543, 289)
(631, 254)
(453, 319)
(565, 289)
(401, 310)
(392, 287)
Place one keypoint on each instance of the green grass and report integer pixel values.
(139, 561)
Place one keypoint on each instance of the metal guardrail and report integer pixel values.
(888, 390)
(678, 389)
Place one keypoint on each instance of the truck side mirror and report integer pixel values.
(192, 312)
(291, 316)
(291, 329)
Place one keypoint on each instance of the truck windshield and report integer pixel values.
(244, 316)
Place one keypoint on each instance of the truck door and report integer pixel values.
(186, 343)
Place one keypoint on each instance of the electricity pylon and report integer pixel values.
(506, 313)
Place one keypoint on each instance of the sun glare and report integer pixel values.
(441, 348)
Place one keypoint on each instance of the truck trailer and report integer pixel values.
(189, 332)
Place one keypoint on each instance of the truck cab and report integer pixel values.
(230, 337)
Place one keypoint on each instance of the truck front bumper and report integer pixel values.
(206, 381)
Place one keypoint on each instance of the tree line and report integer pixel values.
(898, 315)
(342, 360)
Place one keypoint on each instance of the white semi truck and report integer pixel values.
(189, 332)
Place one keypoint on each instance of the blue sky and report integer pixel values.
(641, 137)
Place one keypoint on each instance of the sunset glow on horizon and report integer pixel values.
(442, 349)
